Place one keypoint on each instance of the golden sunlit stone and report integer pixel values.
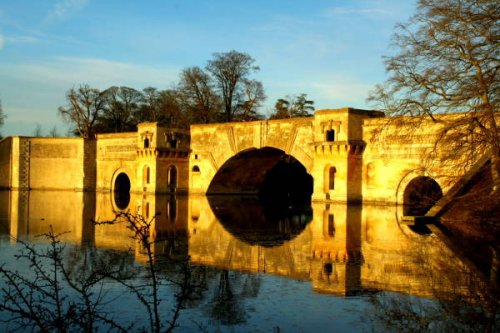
(352, 155)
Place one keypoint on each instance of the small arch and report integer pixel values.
(420, 195)
(172, 178)
(331, 178)
(330, 135)
(146, 143)
(121, 191)
(196, 169)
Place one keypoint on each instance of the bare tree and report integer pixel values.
(121, 105)
(2, 117)
(150, 109)
(448, 63)
(171, 112)
(52, 298)
(53, 132)
(250, 99)
(293, 106)
(85, 105)
(38, 130)
(149, 294)
(66, 288)
(229, 70)
(198, 97)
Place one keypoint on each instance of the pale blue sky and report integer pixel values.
(330, 49)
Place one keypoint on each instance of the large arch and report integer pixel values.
(420, 195)
(267, 172)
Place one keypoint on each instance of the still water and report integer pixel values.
(251, 268)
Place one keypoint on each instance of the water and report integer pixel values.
(318, 268)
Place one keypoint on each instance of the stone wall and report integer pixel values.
(395, 154)
(116, 153)
(353, 156)
(213, 144)
(43, 164)
(55, 163)
(5, 163)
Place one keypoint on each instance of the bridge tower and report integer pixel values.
(162, 159)
(338, 148)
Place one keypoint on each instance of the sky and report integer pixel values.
(329, 49)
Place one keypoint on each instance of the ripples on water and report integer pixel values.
(318, 268)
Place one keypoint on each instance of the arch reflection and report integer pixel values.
(257, 223)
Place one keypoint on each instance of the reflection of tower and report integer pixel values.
(353, 247)
(336, 249)
(170, 225)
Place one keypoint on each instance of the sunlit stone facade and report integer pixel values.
(344, 150)
(154, 160)
(353, 155)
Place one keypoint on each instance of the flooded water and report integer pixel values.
(231, 264)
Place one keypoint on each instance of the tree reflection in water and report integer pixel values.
(67, 290)
(226, 305)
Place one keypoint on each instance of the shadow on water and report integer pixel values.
(258, 223)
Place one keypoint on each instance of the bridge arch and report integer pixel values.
(417, 193)
(268, 172)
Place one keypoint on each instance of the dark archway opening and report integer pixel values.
(420, 195)
(122, 191)
(330, 135)
(270, 201)
(331, 178)
(172, 178)
(269, 173)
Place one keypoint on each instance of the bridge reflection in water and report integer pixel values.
(343, 250)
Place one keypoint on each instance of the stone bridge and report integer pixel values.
(336, 155)
(349, 158)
